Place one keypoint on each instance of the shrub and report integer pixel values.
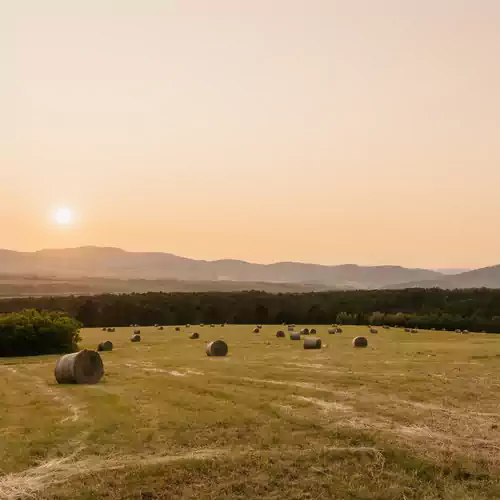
(32, 332)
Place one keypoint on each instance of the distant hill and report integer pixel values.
(39, 286)
(97, 262)
(487, 277)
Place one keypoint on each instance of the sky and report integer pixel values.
(326, 131)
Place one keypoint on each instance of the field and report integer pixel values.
(413, 416)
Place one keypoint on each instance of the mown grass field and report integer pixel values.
(413, 416)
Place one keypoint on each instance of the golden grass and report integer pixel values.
(413, 417)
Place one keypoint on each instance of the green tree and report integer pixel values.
(32, 332)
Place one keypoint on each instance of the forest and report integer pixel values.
(472, 309)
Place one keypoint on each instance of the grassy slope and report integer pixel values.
(412, 416)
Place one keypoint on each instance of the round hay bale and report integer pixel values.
(295, 336)
(84, 367)
(332, 331)
(414, 330)
(256, 330)
(137, 332)
(104, 329)
(212, 326)
(280, 334)
(202, 325)
(217, 348)
(311, 343)
(222, 325)
(259, 327)
(177, 329)
(160, 328)
(465, 331)
(433, 329)
(188, 326)
(338, 330)
(458, 330)
(304, 331)
(290, 328)
(313, 331)
(194, 335)
(373, 330)
(360, 342)
(105, 346)
(443, 329)
(407, 330)
(135, 338)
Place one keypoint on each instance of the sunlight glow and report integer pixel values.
(63, 216)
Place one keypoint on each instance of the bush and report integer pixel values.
(31, 332)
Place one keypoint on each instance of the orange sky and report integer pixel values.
(321, 131)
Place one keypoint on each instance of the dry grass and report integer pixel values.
(413, 417)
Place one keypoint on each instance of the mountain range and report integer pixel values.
(96, 269)
(487, 277)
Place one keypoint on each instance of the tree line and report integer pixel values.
(472, 309)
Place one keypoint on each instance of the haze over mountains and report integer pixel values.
(488, 277)
(98, 269)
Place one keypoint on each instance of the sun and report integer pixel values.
(63, 216)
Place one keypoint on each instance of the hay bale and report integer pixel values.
(105, 346)
(160, 328)
(290, 328)
(433, 329)
(295, 336)
(222, 325)
(458, 330)
(373, 330)
(387, 327)
(465, 331)
(137, 332)
(443, 329)
(194, 335)
(177, 329)
(84, 367)
(310, 343)
(313, 331)
(407, 330)
(360, 342)
(212, 326)
(259, 327)
(104, 329)
(135, 338)
(304, 331)
(338, 330)
(414, 330)
(188, 326)
(256, 330)
(217, 348)
(202, 325)
(280, 334)
(332, 331)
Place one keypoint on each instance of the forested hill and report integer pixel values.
(475, 310)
